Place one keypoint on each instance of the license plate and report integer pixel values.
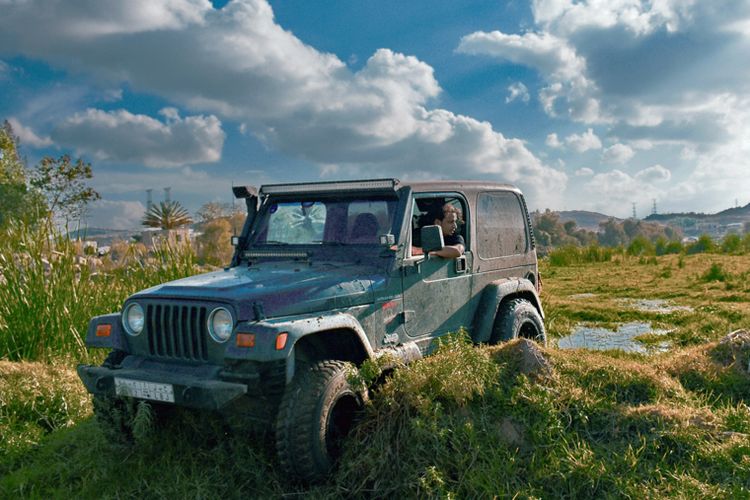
(144, 390)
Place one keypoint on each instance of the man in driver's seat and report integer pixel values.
(453, 244)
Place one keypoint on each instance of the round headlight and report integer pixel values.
(133, 319)
(220, 324)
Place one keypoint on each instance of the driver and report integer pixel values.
(453, 244)
(447, 218)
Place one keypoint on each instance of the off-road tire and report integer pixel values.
(317, 411)
(518, 318)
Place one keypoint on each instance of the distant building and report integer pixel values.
(734, 228)
(152, 236)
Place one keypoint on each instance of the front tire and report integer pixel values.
(518, 318)
(317, 411)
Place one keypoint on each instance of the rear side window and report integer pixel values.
(501, 227)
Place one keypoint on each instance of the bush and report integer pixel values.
(715, 273)
(731, 244)
(704, 245)
(640, 246)
(570, 255)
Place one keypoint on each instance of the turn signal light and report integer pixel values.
(103, 330)
(281, 341)
(245, 340)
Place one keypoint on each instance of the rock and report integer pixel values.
(511, 432)
(531, 357)
(734, 349)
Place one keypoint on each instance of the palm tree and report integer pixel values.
(167, 215)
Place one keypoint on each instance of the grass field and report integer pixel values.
(464, 423)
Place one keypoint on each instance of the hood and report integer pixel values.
(276, 288)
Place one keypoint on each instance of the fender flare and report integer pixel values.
(300, 327)
(492, 296)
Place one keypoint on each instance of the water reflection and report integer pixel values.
(601, 339)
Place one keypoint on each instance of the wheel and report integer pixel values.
(518, 318)
(316, 413)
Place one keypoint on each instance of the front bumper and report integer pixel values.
(192, 390)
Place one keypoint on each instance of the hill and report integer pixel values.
(693, 224)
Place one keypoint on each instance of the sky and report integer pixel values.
(590, 104)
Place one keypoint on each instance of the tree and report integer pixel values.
(214, 244)
(62, 182)
(16, 201)
(167, 215)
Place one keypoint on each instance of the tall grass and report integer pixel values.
(48, 294)
(570, 255)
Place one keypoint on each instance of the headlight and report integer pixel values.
(133, 319)
(220, 324)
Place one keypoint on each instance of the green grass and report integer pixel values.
(47, 296)
(463, 423)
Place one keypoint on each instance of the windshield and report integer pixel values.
(311, 221)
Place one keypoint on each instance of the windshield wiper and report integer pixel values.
(272, 242)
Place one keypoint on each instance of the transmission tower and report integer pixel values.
(653, 210)
(149, 202)
(166, 194)
(634, 214)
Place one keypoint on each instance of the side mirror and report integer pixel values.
(235, 241)
(432, 238)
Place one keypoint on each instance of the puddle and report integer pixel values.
(600, 339)
(659, 306)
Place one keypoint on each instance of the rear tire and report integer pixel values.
(317, 411)
(518, 318)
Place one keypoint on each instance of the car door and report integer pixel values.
(436, 290)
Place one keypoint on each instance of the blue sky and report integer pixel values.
(584, 105)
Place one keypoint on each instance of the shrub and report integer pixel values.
(731, 244)
(704, 245)
(715, 273)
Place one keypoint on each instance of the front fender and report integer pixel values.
(493, 295)
(115, 339)
(267, 331)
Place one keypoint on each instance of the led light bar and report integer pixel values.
(260, 254)
(319, 187)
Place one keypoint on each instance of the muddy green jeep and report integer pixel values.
(324, 276)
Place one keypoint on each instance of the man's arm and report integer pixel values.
(449, 251)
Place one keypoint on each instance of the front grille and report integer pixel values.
(177, 331)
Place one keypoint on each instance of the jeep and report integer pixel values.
(324, 276)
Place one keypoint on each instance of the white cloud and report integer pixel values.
(657, 173)
(121, 136)
(517, 90)
(543, 51)
(554, 58)
(27, 136)
(613, 192)
(552, 141)
(239, 64)
(115, 214)
(618, 153)
(584, 172)
(583, 142)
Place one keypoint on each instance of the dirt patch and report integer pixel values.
(659, 306)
